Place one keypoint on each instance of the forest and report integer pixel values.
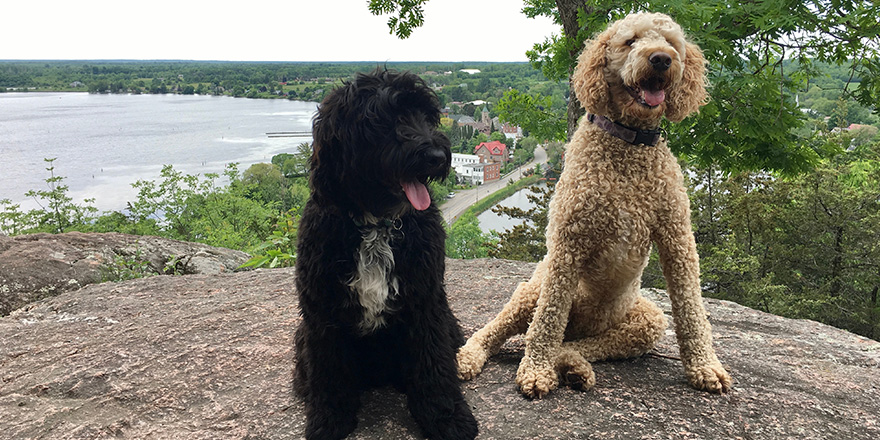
(782, 166)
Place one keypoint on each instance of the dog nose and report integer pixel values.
(435, 157)
(660, 61)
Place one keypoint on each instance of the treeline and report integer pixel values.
(302, 81)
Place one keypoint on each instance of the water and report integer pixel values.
(491, 221)
(104, 143)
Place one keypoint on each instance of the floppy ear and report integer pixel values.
(588, 78)
(689, 94)
(324, 165)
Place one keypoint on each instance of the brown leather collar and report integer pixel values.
(634, 136)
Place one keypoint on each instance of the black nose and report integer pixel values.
(435, 158)
(660, 61)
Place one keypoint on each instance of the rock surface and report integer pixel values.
(210, 357)
(42, 265)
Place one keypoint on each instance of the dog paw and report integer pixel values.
(463, 426)
(437, 423)
(329, 430)
(535, 380)
(470, 359)
(575, 371)
(712, 377)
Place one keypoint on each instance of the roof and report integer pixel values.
(462, 119)
(495, 148)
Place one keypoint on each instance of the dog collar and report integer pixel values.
(361, 222)
(634, 136)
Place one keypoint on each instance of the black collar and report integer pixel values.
(368, 221)
(635, 136)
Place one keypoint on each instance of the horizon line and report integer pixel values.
(180, 60)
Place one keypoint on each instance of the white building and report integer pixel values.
(472, 173)
(464, 166)
(460, 160)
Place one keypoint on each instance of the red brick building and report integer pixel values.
(492, 152)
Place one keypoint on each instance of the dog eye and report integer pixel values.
(630, 42)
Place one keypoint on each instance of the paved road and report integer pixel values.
(463, 199)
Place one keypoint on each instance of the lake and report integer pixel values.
(104, 143)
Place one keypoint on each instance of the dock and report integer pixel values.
(282, 134)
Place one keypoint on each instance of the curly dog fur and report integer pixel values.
(370, 263)
(612, 201)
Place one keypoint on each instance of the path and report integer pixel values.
(463, 199)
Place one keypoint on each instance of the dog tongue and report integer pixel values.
(417, 194)
(654, 97)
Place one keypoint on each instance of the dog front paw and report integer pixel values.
(470, 359)
(463, 426)
(712, 377)
(535, 380)
(437, 423)
(320, 428)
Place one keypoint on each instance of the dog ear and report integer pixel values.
(324, 165)
(588, 79)
(689, 94)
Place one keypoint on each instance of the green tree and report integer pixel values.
(465, 239)
(535, 114)
(187, 207)
(746, 44)
(264, 183)
(58, 213)
(525, 241)
(803, 246)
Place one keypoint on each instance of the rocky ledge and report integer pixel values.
(42, 265)
(210, 357)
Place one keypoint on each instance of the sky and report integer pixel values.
(264, 30)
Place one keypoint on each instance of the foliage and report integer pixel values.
(279, 250)
(406, 14)
(465, 239)
(294, 164)
(126, 268)
(747, 44)
(533, 113)
(187, 207)
(525, 150)
(525, 241)
(57, 212)
(439, 190)
(803, 246)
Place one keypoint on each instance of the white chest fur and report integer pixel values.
(373, 280)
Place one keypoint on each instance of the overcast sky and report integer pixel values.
(263, 30)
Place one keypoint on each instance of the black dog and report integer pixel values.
(370, 261)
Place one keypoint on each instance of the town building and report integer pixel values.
(471, 169)
(480, 173)
(493, 151)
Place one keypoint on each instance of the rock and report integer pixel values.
(41, 265)
(210, 357)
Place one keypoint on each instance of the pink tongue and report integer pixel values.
(654, 97)
(417, 194)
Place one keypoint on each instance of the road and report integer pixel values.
(463, 199)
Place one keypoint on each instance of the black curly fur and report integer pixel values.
(369, 135)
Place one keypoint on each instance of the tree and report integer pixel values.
(265, 183)
(525, 241)
(534, 113)
(746, 44)
(58, 213)
(465, 239)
